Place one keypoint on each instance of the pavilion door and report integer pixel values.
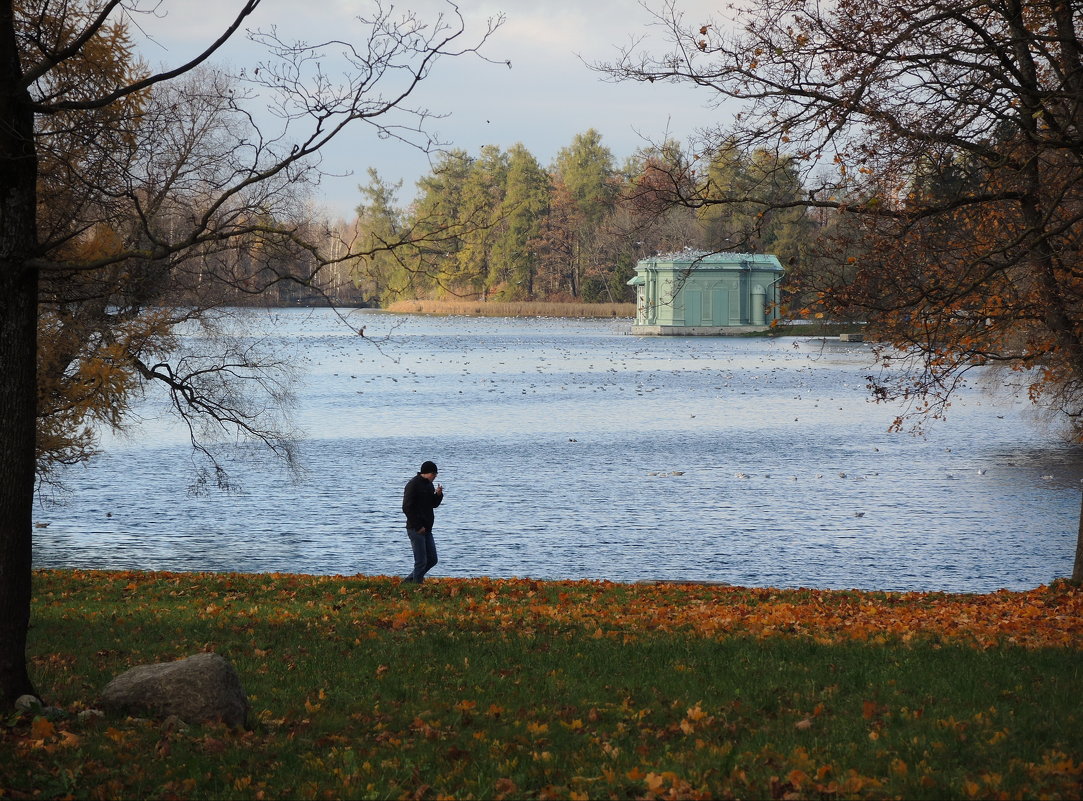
(720, 307)
(693, 307)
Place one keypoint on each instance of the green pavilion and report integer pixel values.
(695, 293)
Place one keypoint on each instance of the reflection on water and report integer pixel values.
(570, 449)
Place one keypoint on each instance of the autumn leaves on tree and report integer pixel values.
(941, 146)
(133, 200)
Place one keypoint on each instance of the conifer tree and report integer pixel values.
(482, 198)
(520, 223)
(380, 230)
(587, 171)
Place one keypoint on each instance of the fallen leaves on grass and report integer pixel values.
(476, 732)
(1044, 617)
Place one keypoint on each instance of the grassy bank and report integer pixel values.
(516, 309)
(363, 688)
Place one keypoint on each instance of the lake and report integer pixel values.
(570, 449)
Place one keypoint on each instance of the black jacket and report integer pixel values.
(418, 500)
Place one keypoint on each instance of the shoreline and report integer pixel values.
(481, 308)
(1056, 584)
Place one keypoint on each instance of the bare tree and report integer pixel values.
(945, 137)
(122, 187)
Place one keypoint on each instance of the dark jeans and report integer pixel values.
(424, 554)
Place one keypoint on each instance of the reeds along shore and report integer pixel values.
(479, 308)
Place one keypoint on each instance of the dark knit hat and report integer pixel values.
(428, 467)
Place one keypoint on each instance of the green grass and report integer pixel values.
(362, 688)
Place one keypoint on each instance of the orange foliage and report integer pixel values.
(1045, 617)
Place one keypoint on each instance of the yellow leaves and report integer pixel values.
(621, 742)
(86, 374)
(45, 736)
(42, 729)
(696, 713)
(654, 781)
(1044, 617)
(505, 787)
(855, 782)
(314, 706)
(1056, 763)
(998, 737)
(798, 778)
(693, 717)
(667, 784)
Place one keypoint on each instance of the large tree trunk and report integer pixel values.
(18, 361)
(18, 311)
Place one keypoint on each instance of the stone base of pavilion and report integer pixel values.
(696, 330)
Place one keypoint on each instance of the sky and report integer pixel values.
(546, 97)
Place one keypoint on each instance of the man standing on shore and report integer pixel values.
(418, 501)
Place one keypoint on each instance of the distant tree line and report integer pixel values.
(499, 226)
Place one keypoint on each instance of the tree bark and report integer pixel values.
(18, 347)
(18, 361)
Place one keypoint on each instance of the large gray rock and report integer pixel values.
(203, 688)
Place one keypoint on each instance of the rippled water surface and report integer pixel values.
(571, 449)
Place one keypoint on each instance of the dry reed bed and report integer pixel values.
(477, 308)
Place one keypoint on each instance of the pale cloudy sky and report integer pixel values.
(547, 96)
